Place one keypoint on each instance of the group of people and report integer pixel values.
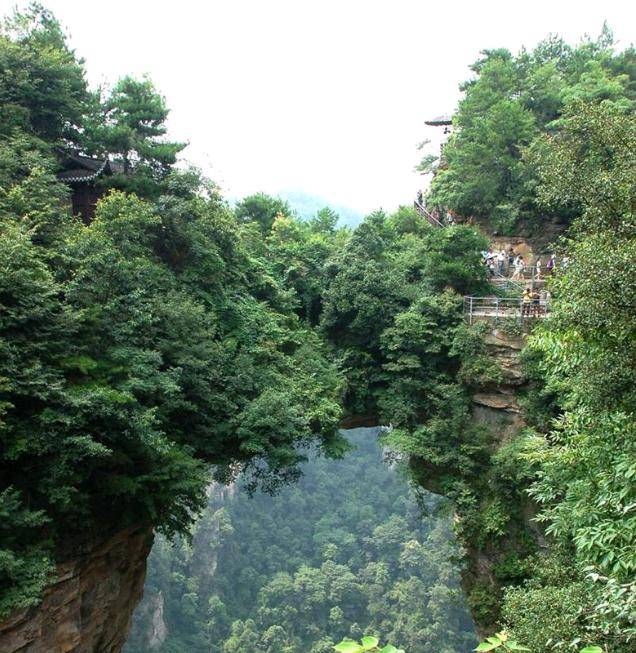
(534, 303)
(498, 262)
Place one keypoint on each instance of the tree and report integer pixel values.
(43, 88)
(586, 354)
(261, 210)
(130, 124)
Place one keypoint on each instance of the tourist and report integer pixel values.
(501, 259)
(536, 303)
(519, 266)
(526, 303)
(538, 269)
(511, 257)
(551, 264)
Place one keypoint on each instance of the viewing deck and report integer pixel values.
(481, 309)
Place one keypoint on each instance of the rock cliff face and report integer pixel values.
(150, 628)
(87, 609)
(496, 407)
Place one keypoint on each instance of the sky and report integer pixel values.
(321, 98)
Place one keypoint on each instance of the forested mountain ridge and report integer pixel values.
(171, 334)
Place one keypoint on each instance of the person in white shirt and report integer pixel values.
(519, 265)
(501, 258)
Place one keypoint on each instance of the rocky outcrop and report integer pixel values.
(88, 607)
(150, 612)
(497, 405)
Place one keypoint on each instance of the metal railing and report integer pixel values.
(529, 277)
(500, 280)
(429, 216)
(498, 308)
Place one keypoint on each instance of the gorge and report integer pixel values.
(166, 354)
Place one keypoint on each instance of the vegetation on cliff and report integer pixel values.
(170, 334)
(546, 140)
(584, 462)
(508, 104)
(141, 347)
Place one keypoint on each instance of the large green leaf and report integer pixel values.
(369, 643)
(485, 646)
(389, 648)
(348, 646)
(592, 649)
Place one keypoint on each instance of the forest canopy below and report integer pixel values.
(322, 559)
(172, 337)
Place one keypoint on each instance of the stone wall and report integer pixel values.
(87, 609)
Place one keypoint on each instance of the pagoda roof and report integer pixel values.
(439, 121)
(77, 168)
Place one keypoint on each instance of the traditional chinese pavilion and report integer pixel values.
(84, 174)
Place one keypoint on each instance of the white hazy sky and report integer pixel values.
(326, 97)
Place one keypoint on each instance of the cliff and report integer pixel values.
(496, 560)
(88, 606)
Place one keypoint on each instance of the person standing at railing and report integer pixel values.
(526, 303)
(536, 303)
(519, 266)
(551, 264)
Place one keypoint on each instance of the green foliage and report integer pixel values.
(137, 353)
(42, 85)
(262, 210)
(508, 106)
(392, 303)
(172, 338)
(343, 553)
(366, 644)
(501, 642)
(585, 458)
(129, 123)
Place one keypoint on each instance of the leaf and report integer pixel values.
(389, 648)
(592, 649)
(369, 642)
(513, 646)
(348, 646)
(485, 646)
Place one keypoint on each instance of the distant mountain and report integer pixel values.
(306, 205)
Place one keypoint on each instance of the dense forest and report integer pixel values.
(344, 552)
(172, 339)
(144, 345)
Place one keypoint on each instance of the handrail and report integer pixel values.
(423, 212)
(503, 307)
(509, 281)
